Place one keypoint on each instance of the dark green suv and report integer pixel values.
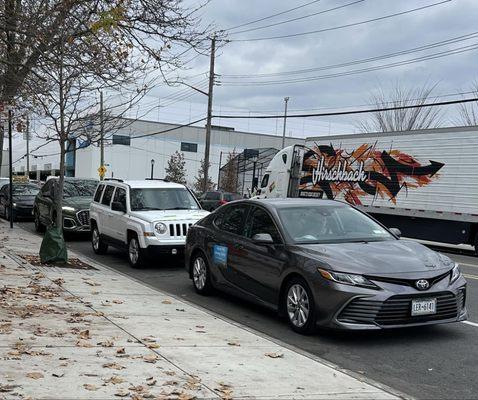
(77, 196)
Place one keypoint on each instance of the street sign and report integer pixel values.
(102, 171)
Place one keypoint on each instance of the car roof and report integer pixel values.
(294, 202)
(151, 184)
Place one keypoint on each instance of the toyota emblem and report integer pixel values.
(422, 284)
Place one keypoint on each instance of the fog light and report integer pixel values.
(174, 252)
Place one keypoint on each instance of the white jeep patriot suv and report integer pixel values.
(145, 217)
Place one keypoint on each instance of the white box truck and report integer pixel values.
(423, 182)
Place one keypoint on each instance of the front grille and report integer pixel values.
(397, 309)
(179, 230)
(83, 217)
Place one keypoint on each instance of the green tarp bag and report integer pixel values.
(53, 246)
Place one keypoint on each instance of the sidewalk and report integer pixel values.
(68, 333)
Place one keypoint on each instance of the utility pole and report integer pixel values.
(10, 162)
(209, 113)
(28, 147)
(286, 100)
(102, 133)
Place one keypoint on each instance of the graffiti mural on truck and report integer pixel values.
(366, 171)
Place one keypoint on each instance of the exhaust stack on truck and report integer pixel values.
(423, 182)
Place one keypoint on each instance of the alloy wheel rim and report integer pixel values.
(133, 251)
(199, 273)
(95, 239)
(298, 307)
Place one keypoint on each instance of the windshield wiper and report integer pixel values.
(178, 208)
(146, 209)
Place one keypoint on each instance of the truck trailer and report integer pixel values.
(423, 182)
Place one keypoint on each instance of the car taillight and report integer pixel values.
(222, 202)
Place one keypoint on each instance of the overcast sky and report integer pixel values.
(434, 24)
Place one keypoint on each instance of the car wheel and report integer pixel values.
(136, 255)
(299, 306)
(39, 227)
(201, 274)
(99, 246)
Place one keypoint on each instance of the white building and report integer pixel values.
(129, 150)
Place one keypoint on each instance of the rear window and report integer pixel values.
(106, 200)
(99, 191)
(212, 196)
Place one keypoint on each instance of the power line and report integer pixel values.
(456, 39)
(272, 16)
(299, 18)
(342, 26)
(329, 114)
(357, 71)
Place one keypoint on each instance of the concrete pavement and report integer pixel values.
(68, 333)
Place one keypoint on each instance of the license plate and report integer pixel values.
(424, 307)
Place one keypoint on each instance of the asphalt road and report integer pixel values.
(438, 362)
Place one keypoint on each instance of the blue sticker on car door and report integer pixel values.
(219, 255)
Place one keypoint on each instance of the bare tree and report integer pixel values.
(155, 34)
(199, 183)
(468, 112)
(229, 176)
(403, 119)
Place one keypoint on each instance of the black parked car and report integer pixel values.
(214, 199)
(322, 262)
(77, 196)
(23, 198)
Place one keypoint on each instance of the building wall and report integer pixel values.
(134, 161)
(4, 170)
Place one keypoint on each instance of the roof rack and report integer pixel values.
(113, 179)
(157, 179)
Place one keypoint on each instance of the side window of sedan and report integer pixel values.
(232, 219)
(261, 222)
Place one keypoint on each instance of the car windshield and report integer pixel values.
(331, 224)
(162, 199)
(79, 188)
(25, 190)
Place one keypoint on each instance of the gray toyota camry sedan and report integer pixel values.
(325, 263)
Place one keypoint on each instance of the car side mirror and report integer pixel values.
(262, 239)
(396, 232)
(118, 206)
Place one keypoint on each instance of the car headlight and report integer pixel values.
(66, 208)
(160, 228)
(455, 273)
(347, 279)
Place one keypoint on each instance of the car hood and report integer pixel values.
(78, 202)
(24, 200)
(386, 258)
(169, 215)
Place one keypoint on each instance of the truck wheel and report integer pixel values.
(201, 274)
(39, 227)
(99, 246)
(136, 255)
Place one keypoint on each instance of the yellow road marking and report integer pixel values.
(470, 276)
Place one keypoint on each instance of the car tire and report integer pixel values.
(99, 246)
(201, 274)
(136, 255)
(299, 306)
(39, 227)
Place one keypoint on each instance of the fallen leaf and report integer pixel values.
(115, 379)
(118, 301)
(138, 388)
(170, 383)
(153, 346)
(34, 375)
(121, 350)
(232, 343)
(200, 326)
(83, 343)
(150, 358)
(106, 303)
(180, 309)
(84, 334)
(122, 393)
(274, 355)
(167, 301)
(170, 373)
(113, 366)
(106, 343)
(7, 388)
(91, 283)
(91, 387)
(59, 281)
(95, 293)
(58, 374)
(151, 383)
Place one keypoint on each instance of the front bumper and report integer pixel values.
(76, 222)
(23, 212)
(349, 307)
